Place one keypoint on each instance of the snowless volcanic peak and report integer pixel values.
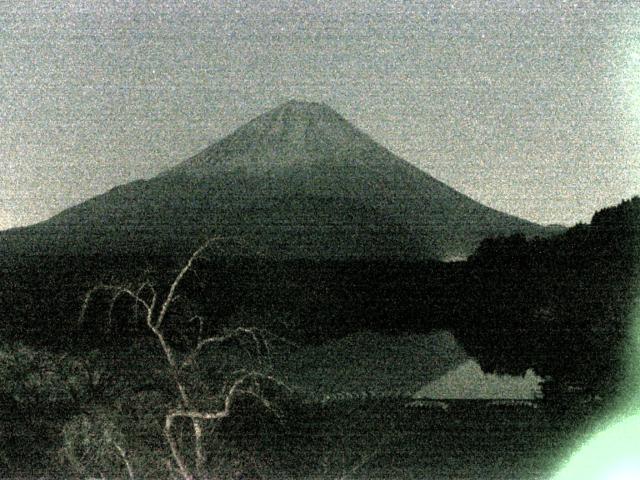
(293, 135)
(301, 182)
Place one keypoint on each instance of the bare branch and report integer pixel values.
(117, 290)
(200, 321)
(175, 451)
(363, 461)
(112, 304)
(230, 399)
(172, 290)
(156, 310)
(253, 333)
(123, 454)
(201, 457)
(142, 287)
(238, 332)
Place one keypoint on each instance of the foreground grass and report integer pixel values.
(359, 439)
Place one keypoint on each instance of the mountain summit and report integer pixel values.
(294, 135)
(299, 181)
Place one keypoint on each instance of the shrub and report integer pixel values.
(95, 447)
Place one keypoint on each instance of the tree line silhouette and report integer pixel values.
(560, 305)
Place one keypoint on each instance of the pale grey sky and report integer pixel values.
(531, 107)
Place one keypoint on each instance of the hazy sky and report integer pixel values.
(530, 107)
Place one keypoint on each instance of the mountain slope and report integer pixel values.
(372, 363)
(297, 181)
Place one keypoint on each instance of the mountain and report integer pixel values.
(372, 363)
(468, 381)
(362, 364)
(296, 182)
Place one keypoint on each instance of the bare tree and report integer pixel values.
(155, 309)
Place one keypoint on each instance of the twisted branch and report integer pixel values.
(155, 318)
